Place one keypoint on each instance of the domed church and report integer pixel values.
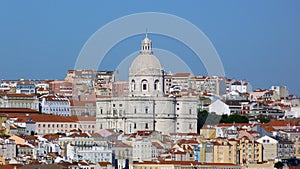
(146, 107)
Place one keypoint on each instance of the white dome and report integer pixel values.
(145, 64)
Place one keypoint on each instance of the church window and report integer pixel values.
(146, 110)
(144, 85)
(132, 85)
(156, 84)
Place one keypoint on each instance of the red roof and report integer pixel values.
(17, 110)
(20, 95)
(43, 118)
(104, 164)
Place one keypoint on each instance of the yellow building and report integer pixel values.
(225, 152)
(3, 130)
(207, 132)
(250, 151)
(2, 161)
(297, 146)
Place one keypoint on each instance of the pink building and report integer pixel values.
(42, 124)
(61, 87)
(120, 88)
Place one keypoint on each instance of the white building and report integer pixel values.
(269, 147)
(25, 88)
(142, 150)
(241, 86)
(54, 104)
(7, 148)
(96, 154)
(219, 107)
(146, 107)
(293, 113)
(280, 90)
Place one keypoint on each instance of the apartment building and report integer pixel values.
(250, 151)
(55, 104)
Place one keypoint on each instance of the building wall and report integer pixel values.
(269, 147)
(219, 107)
(142, 150)
(96, 154)
(250, 151)
(59, 106)
(63, 88)
(131, 114)
(224, 153)
(43, 128)
(8, 149)
(20, 101)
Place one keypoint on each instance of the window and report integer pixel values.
(146, 110)
(132, 85)
(156, 84)
(144, 85)
(101, 111)
(134, 110)
(134, 126)
(146, 126)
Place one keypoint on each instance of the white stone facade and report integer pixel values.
(57, 105)
(146, 108)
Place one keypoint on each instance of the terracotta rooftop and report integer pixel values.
(20, 95)
(44, 118)
(82, 118)
(17, 110)
(51, 137)
(104, 164)
(79, 135)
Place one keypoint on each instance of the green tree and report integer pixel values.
(279, 165)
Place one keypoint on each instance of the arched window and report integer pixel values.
(144, 85)
(132, 85)
(156, 84)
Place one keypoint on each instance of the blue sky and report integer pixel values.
(256, 40)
